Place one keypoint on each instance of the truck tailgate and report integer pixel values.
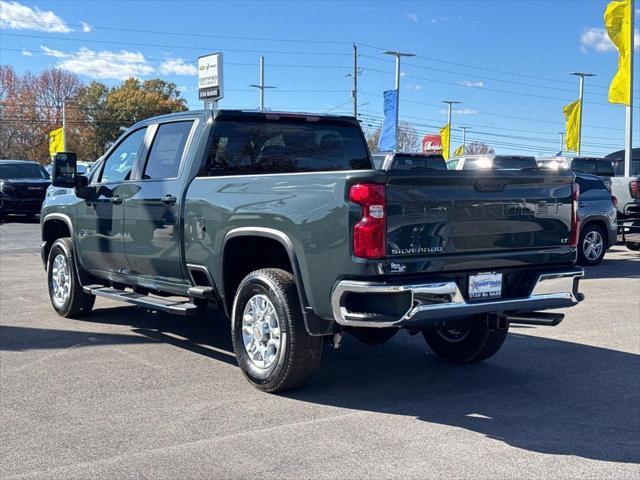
(459, 212)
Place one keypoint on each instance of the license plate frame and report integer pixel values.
(484, 286)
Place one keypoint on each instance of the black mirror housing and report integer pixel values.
(63, 173)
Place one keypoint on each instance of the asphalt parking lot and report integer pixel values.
(127, 393)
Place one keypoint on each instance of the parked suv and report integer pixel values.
(23, 186)
(495, 162)
(598, 219)
(280, 221)
(601, 167)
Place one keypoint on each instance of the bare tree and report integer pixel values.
(478, 148)
(408, 140)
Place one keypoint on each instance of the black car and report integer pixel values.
(23, 186)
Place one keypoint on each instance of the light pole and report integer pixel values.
(450, 103)
(261, 86)
(628, 139)
(561, 142)
(581, 75)
(464, 138)
(398, 55)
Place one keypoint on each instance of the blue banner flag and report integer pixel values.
(387, 140)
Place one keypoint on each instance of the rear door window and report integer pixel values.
(283, 146)
(166, 151)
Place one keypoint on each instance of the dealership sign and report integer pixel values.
(431, 143)
(210, 77)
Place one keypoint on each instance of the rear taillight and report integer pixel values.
(575, 219)
(369, 234)
(614, 200)
(634, 189)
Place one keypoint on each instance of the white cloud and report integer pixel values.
(177, 66)
(461, 111)
(412, 17)
(104, 65)
(86, 28)
(27, 53)
(16, 16)
(50, 52)
(440, 19)
(182, 89)
(415, 87)
(471, 84)
(598, 40)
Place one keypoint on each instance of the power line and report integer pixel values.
(183, 47)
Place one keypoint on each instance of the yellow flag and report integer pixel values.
(444, 140)
(459, 151)
(617, 20)
(56, 141)
(572, 116)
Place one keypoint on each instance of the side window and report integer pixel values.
(117, 167)
(166, 150)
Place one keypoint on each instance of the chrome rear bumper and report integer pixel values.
(438, 301)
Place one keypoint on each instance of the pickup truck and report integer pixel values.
(281, 221)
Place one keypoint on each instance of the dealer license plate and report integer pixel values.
(485, 285)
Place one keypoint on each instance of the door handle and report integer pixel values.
(169, 200)
(116, 200)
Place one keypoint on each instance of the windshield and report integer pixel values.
(23, 171)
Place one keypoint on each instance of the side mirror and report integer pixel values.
(63, 173)
(82, 188)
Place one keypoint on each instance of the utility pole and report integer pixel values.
(398, 55)
(64, 125)
(464, 138)
(581, 98)
(561, 142)
(261, 87)
(450, 103)
(354, 92)
(628, 138)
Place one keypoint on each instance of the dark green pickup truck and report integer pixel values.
(281, 221)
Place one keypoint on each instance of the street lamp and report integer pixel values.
(581, 75)
(450, 103)
(398, 55)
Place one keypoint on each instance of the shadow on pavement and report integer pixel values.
(20, 219)
(537, 394)
(627, 267)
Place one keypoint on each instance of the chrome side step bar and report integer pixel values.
(177, 307)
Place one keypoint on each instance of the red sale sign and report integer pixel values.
(431, 144)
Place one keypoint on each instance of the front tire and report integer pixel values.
(592, 245)
(66, 294)
(466, 345)
(272, 347)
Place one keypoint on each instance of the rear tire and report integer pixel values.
(66, 294)
(272, 346)
(466, 345)
(592, 246)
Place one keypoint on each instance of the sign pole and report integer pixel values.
(64, 126)
(210, 85)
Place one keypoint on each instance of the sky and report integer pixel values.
(506, 61)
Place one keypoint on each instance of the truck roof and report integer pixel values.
(252, 114)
